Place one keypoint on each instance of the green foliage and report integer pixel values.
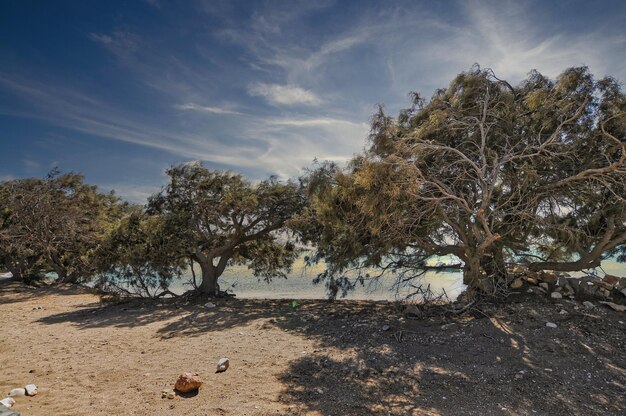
(53, 225)
(219, 218)
(485, 171)
(138, 256)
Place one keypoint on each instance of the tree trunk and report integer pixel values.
(474, 275)
(209, 285)
(17, 275)
(485, 272)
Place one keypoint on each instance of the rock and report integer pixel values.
(602, 284)
(517, 283)
(615, 306)
(610, 279)
(556, 295)
(531, 281)
(17, 392)
(551, 325)
(563, 312)
(8, 402)
(210, 305)
(386, 327)
(623, 291)
(222, 365)
(188, 382)
(5, 411)
(544, 286)
(549, 277)
(168, 394)
(31, 389)
(589, 305)
(622, 283)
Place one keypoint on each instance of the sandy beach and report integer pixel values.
(346, 358)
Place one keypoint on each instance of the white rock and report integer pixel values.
(556, 295)
(17, 392)
(222, 365)
(551, 325)
(386, 327)
(589, 305)
(31, 389)
(210, 305)
(8, 402)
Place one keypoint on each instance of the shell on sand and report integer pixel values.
(17, 392)
(222, 365)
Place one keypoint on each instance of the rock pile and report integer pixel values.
(561, 285)
(8, 402)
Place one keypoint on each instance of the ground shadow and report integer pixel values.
(181, 317)
(506, 363)
(15, 291)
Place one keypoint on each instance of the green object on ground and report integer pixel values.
(294, 305)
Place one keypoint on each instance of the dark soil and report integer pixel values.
(500, 360)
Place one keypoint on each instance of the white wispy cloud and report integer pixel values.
(31, 165)
(284, 94)
(67, 108)
(313, 122)
(206, 109)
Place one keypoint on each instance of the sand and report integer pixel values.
(350, 358)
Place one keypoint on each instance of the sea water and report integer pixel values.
(299, 283)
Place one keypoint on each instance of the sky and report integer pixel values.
(121, 90)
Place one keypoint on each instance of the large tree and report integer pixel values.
(487, 172)
(220, 218)
(53, 225)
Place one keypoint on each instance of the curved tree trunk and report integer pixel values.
(209, 284)
(485, 273)
(211, 272)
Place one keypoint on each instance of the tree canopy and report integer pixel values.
(138, 256)
(54, 225)
(219, 218)
(487, 172)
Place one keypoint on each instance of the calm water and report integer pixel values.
(298, 285)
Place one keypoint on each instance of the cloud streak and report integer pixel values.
(206, 109)
(284, 94)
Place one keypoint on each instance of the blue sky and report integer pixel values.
(120, 90)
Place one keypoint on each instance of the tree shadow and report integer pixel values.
(182, 318)
(506, 363)
(15, 291)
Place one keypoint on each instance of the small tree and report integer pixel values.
(138, 257)
(490, 173)
(220, 219)
(52, 225)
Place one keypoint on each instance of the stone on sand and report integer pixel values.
(222, 365)
(31, 389)
(8, 402)
(188, 382)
